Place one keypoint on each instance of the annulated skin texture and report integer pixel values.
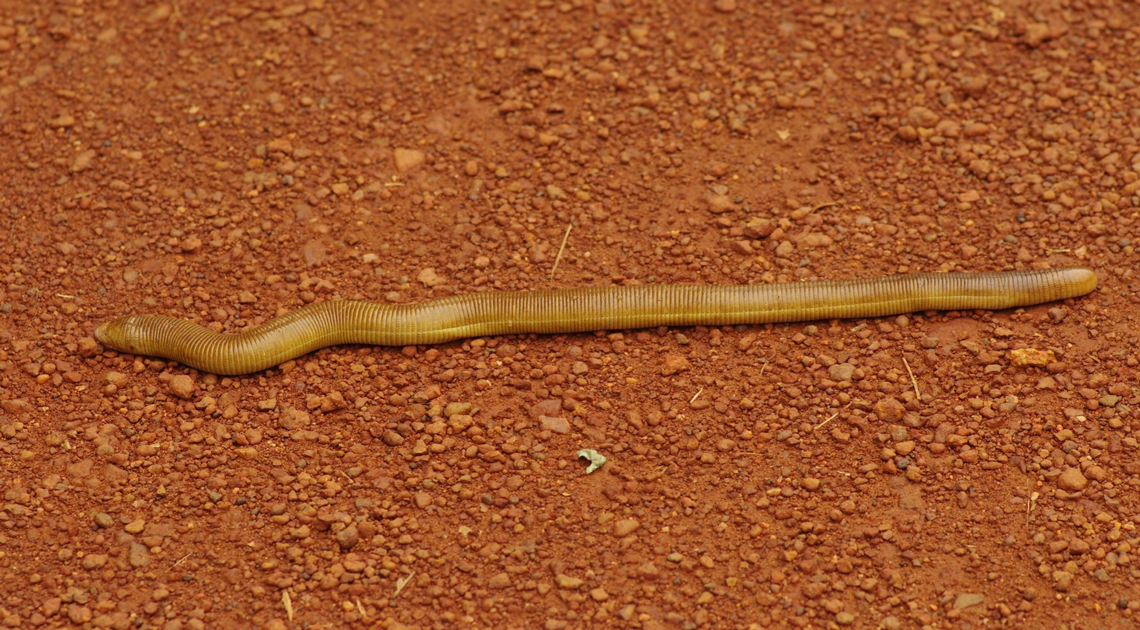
(576, 310)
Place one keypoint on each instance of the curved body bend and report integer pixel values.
(578, 310)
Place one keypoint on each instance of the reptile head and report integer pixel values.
(122, 334)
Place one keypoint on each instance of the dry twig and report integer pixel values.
(913, 381)
(288, 603)
(820, 425)
(401, 583)
(561, 248)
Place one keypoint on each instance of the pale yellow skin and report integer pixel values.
(577, 310)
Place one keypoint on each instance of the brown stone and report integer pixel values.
(626, 527)
(674, 364)
(889, 410)
(1073, 480)
(1030, 357)
(499, 581)
(182, 386)
(557, 424)
(408, 159)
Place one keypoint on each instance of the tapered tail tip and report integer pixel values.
(101, 333)
(1081, 280)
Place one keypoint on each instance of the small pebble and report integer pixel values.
(348, 537)
(79, 614)
(1036, 33)
(965, 600)
(567, 582)
(974, 85)
(407, 159)
(556, 424)
(626, 527)
(182, 386)
(758, 228)
(292, 419)
(719, 204)
(499, 581)
(88, 347)
(1026, 357)
(674, 364)
(138, 556)
(889, 410)
(1073, 480)
(429, 278)
(922, 117)
(83, 160)
(841, 372)
(391, 438)
(457, 408)
(815, 239)
(62, 121)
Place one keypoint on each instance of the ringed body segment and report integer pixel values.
(579, 310)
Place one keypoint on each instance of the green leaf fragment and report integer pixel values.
(597, 460)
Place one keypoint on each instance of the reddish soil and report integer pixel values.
(225, 162)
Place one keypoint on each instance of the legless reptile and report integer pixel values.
(577, 310)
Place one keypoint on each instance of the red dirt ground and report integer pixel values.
(225, 162)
